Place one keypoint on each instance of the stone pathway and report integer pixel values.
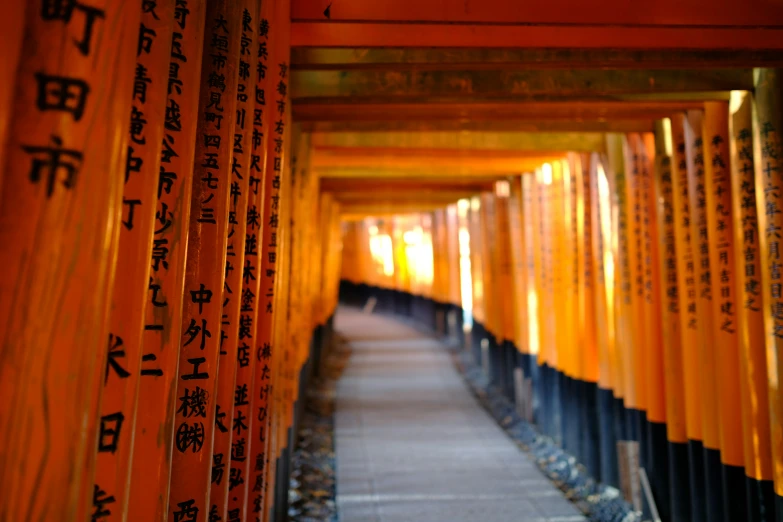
(413, 444)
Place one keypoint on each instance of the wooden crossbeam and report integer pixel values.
(540, 126)
(543, 36)
(429, 86)
(478, 59)
(465, 140)
(533, 111)
(365, 185)
(456, 160)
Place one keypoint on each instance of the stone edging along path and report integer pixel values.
(600, 503)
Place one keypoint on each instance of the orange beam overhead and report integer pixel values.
(337, 185)
(411, 158)
(533, 111)
(552, 36)
(661, 13)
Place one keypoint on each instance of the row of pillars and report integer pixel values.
(639, 292)
(166, 281)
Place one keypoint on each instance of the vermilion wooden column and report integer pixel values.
(750, 315)
(689, 317)
(196, 417)
(12, 29)
(121, 379)
(149, 489)
(231, 444)
(249, 353)
(717, 167)
(63, 159)
(283, 377)
(700, 235)
(626, 386)
(271, 99)
(662, 201)
(768, 148)
(636, 231)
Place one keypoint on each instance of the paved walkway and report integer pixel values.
(413, 445)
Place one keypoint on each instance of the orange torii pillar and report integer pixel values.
(678, 492)
(657, 466)
(688, 322)
(717, 167)
(587, 347)
(64, 149)
(272, 98)
(507, 352)
(151, 466)
(597, 203)
(625, 384)
(115, 440)
(230, 446)
(750, 315)
(768, 160)
(284, 370)
(197, 416)
(478, 318)
(248, 355)
(697, 194)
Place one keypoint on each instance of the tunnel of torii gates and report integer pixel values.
(590, 193)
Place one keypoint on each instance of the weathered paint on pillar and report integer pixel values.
(149, 490)
(196, 417)
(230, 446)
(129, 301)
(63, 157)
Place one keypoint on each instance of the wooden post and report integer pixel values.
(129, 301)
(149, 489)
(64, 139)
(768, 159)
(700, 233)
(750, 317)
(689, 317)
(230, 446)
(636, 230)
(673, 361)
(272, 99)
(717, 170)
(623, 285)
(602, 269)
(12, 28)
(197, 415)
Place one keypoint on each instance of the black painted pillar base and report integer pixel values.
(607, 438)
(761, 500)
(658, 467)
(679, 482)
(590, 433)
(735, 505)
(713, 485)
